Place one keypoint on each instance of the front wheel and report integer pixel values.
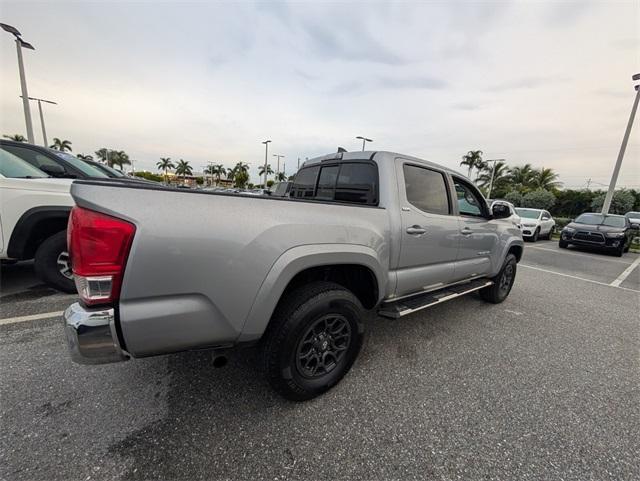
(312, 340)
(502, 283)
(535, 236)
(563, 244)
(52, 263)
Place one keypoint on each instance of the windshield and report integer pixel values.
(108, 170)
(80, 164)
(599, 219)
(14, 167)
(632, 215)
(528, 213)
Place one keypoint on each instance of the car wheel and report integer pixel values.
(626, 249)
(563, 244)
(502, 283)
(535, 235)
(619, 252)
(312, 340)
(52, 263)
(550, 233)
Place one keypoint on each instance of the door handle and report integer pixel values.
(416, 230)
(466, 231)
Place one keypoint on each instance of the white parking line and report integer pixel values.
(626, 273)
(576, 277)
(567, 251)
(33, 317)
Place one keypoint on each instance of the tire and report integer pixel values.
(502, 283)
(563, 244)
(550, 233)
(46, 263)
(535, 235)
(619, 252)
(626, 249)
(323, 319)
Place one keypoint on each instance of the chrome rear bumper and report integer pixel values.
(91, 335)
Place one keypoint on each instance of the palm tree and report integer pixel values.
(231, 174)
(165, 164)
(16, 137)
(281, 177)
(119, 158)
(546, 179)
(473, 160)
(522, 177)
(183, 168)
(500, 177)
(261, 170)
(85, 156)
(61, 145)
(102, 154)
(217, 170)
(242, 167)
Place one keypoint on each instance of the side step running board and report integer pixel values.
(403, 307)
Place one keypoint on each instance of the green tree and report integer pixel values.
(183, 168)
(119, 158)
(261, 170)
(473, 160)
(230, 174)
(149, 176)
(539, 199)
(501, 178)
(16, 137)
(102, 154)
(165, 164)
(622, 202)
(61, 145)
(241, 178)
(218, 170)
(281, 177)
(514, 197)
(545, 179)
(522, 177)
(85, 156)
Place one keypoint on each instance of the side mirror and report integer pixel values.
(500, 211)
(53, 170)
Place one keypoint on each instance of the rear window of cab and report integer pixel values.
(348, 182)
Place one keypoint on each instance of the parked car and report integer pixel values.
(33, 217)
(514, 218)
(634, 217)
(536, 223)
(52, 162)
(109, 171)
(608, 232)
(302, 277)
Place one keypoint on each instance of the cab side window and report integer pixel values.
(305, 184)
(469, 200)
(426, 189)
(34, 158)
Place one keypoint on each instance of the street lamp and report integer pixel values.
(266, 152)
(623, 147)
(23, 81)
(364, 140)
(44, 132)
(493, 170)
(278, 167)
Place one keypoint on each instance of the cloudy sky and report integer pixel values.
(541, 82)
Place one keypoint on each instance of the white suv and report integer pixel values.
(536, 223)
(34, 210)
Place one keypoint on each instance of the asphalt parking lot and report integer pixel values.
(543, 386)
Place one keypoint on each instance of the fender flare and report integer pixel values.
(296, 260)
(18, 247)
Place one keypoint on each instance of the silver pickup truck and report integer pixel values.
(162, 270)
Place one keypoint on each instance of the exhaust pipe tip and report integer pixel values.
(219, 361)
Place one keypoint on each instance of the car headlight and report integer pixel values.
(615, 235)
(569, 229)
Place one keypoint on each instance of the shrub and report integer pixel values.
(514, 197)
(539, 199)
(622, 202)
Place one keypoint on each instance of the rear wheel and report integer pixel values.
(312, 340)
(502, 283)
(563, 244)
(52, 263)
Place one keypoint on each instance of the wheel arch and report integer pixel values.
(34, 226)
(355, 267)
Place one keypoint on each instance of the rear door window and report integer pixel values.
(357, 183)
(305, 184)
(327, 182)
(426, 189)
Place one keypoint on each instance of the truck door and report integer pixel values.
(429, 238)
(478, 235)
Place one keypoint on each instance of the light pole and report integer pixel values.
(266, 153)
(364, 140)
(623, 147)
(44, 131)
(278, 167)
(23, 81)
(493, 171)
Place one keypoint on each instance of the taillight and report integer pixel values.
(98, 245)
